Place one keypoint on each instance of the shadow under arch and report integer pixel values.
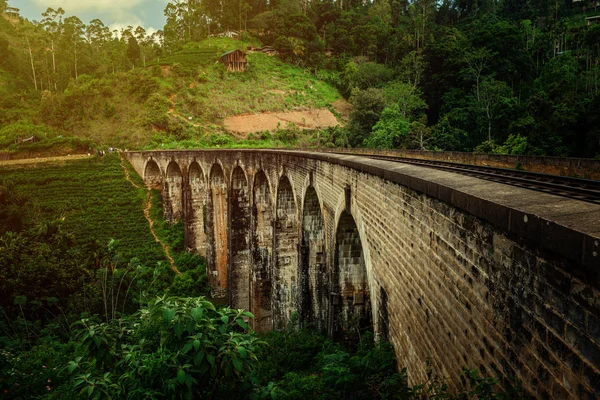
(152, 174)
(285, 276)
(262, 252)
(239, 241)
(350, 311)
(314, 283)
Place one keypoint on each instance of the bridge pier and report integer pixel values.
(261, 227)
(285, 271)
(217, 232)
(195, 210)
(239, 241)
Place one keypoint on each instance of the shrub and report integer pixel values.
(174, 348)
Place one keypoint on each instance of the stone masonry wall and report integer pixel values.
(458, 270)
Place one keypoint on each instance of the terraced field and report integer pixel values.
(95, 199)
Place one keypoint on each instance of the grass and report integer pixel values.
(202, 54)
(267, 85)
(96, 201)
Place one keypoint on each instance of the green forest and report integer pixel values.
(496, 76)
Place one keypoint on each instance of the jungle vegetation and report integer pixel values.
(503, 76)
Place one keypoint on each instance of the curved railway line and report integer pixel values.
(574, 188)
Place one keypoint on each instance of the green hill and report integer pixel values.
(179, 100)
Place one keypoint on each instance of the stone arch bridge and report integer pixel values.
(448, 268)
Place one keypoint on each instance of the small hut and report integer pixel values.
(235, 60)
(12, 12)
(593, 20)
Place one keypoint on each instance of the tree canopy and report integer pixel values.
(479, 70)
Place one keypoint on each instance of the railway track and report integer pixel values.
(574, 188)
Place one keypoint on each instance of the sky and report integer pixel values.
(116, 14)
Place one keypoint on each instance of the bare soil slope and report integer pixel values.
(242, 125)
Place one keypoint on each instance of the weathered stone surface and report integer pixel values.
(239, 246)
(449, 268)
(195, 209)
(216, 246)
(173, 193)
(262, 253)
(314, 282)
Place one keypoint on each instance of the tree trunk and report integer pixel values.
(76, 74)
(32, 64)
(54, 67)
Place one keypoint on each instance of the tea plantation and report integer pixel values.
(95, 200)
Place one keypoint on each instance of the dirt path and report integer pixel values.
(343, 108)
(177, 115)
(147, 208)
(25, 161)
(151, 225)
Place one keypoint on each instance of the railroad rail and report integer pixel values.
(574, 188)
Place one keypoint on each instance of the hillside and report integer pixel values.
(179, 100)
(504, 77)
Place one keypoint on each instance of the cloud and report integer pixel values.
(116, 7)
(117, 14)
(134, 22)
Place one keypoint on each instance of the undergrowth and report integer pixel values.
(301, 364)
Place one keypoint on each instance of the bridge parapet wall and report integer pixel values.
(459, 271)
(587, 168)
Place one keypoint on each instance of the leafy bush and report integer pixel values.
(15, 206)
(192, 282)
(174, 348)
(41, 271)
(367, 107)
(487, 147)
(514, 145)
(390, 131)
(302, 364)
(25, 129)
(157, 106)
(37, 371)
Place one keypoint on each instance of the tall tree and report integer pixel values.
(133, 50)
(52, 23)
(32, 46)
(73, 36)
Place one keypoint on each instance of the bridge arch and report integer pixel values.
(286, 253)
(196, 208)
(153, 176)
(262, 253)
(173, 189)
(313, 266)
(351, 300)
(216, 223)
(239, 241)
